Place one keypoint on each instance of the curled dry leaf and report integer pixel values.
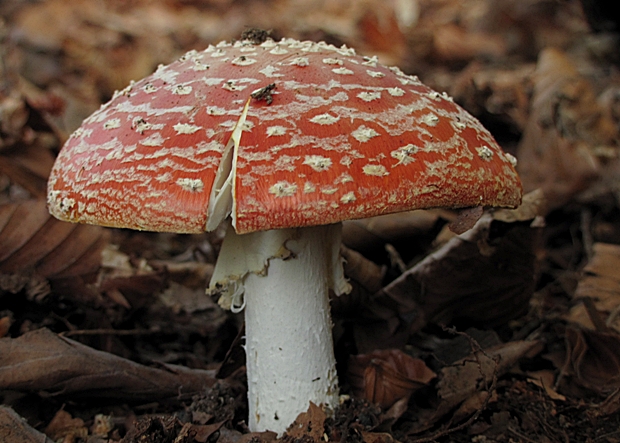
(463, 379)
(601, 284)
(14, 429)
(409, 228)
(387, 376)
(466, 219)
(309, 425)
(64, 427)
(567, 131)
(501, 95)
(42, 361)
(365, 276)
(32, 241)
(485, 276)
(592, 360)
(25, 155)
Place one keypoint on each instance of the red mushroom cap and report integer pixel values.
(338, 137)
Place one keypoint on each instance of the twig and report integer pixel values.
(586, 234)
(595, 316)
(107, 332)
(519, 435)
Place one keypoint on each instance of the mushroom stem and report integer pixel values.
(289, 348)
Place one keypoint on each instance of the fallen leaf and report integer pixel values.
(66, 428)
(25, 152)
(475, 373)
(466, 219)
(5, 325)
(566, 127)
(157, 428)
(309, 425)
(33, 242)
(386, 376)
(592, 359)
(485, 276)
(601, 284)
(406, 230)
(42, 361)
(377, 437)
(14, 429)
(545, 379)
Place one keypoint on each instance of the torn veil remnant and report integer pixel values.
(328, 136)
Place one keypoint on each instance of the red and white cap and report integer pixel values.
(328, 136)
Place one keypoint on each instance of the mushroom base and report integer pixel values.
(289, 348)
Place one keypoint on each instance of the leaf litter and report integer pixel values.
(507, 330)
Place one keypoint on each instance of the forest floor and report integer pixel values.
(507, 333)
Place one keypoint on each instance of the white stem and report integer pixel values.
(290, 357)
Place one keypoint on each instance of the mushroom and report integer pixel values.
(282, 141)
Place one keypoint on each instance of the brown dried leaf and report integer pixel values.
(377, 437)
(197, 433)
(5, 325)
(43, 361)
(25, 155)
(365, 273)
(158, 428)
(387, 376)
(499, 94)
(593, 359)
(483, 276)
(467, 376)
(371, 234)
(252, 437)
(309, 425)
(454, 43)
(65, 427)
(545, 379)
(566, 130)
(466, 219)
(600, 283)
(14, 429)
(33, 242)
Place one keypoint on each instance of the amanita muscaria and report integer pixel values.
(283, 141)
